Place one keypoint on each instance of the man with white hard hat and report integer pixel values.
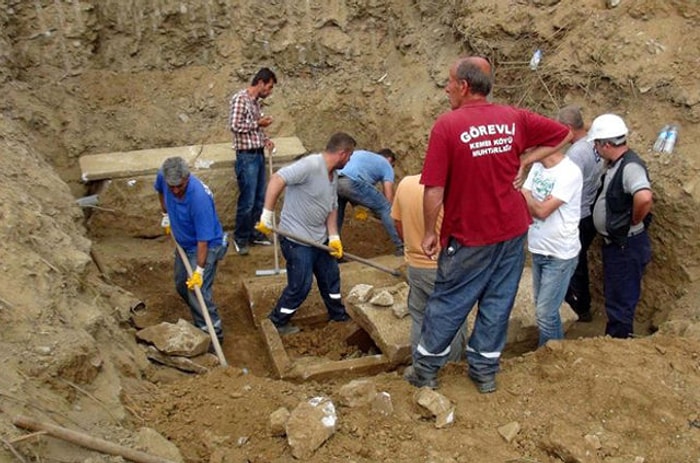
(621, 213)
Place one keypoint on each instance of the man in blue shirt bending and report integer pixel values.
(357, 185)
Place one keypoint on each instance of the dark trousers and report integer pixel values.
(578, 296)
(623, 267)
(303, 263)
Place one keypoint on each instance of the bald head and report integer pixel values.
(476, 71)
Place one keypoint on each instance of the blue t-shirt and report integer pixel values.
(368, 167)
(193, 217)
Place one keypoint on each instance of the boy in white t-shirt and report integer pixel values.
(553, 194)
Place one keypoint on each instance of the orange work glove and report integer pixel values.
(336, 246)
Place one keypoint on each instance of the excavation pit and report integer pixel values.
(374, 340)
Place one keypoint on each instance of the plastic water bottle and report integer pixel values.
(536, 58)
(671, 138)
(661, 139)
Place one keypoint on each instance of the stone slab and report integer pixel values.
(334, 369)
(123, 164)
(391, 334)
(275, 348)
(130, 206)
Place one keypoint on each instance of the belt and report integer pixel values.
(252, 150)
(607, 240)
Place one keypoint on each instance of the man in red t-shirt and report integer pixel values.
(474, 166)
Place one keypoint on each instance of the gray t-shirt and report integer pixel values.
(634, 178)
(309, 197)
(591, 165)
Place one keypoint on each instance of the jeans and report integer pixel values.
(421, 282)
(549, 283)
(359, 192)
(466, 275)
(303, 263)
(623, 267)
(214, 255)
(578, 296)
(250, 175)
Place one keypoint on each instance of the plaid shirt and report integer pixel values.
(243, 122)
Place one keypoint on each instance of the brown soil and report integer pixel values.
(92, 77)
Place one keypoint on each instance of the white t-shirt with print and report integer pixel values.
(557, 235)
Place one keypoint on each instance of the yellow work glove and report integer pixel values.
(165, 223)
(196, 278)
(361, 213)
(265, 224)
(336, 246)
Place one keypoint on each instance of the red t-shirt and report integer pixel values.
(474, 153)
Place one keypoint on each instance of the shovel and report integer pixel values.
(347, 255)
(275, 241)
(203, 307)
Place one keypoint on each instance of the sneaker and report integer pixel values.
(287, 329)
(484, 386)
(585, 317)
(241, 249)
(260, 239)
(410, 375)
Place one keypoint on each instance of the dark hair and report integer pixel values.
(571, 116)
(479, 81)
(264, 74)
(175, 170)
(340, 141)
(387, 153)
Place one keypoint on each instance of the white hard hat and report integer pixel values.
(607, 126)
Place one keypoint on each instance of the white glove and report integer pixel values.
(264, 225)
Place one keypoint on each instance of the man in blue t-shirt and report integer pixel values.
(189, 214)
(357, 185)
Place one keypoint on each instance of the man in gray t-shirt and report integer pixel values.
(578, 295)
(309, 212)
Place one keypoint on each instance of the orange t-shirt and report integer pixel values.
(408, 209)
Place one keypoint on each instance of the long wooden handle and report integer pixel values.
(275, 241)
(203, 308)
(87, 441)
(359, 259)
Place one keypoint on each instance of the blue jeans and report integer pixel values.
(303, 263)
(250, 175)
(623, 268)
(359, 192)
(550, 278)
(214, 255)
(421, 283)
(487, 275)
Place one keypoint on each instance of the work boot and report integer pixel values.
(241, 249)
(484, 385)
(411, 375)
(212, 349)
(287, 329)
(585, 317)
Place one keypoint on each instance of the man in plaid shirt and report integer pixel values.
(247, 122)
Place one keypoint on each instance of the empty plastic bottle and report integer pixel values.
(536, 58)
(671, 138)
(661, 139)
